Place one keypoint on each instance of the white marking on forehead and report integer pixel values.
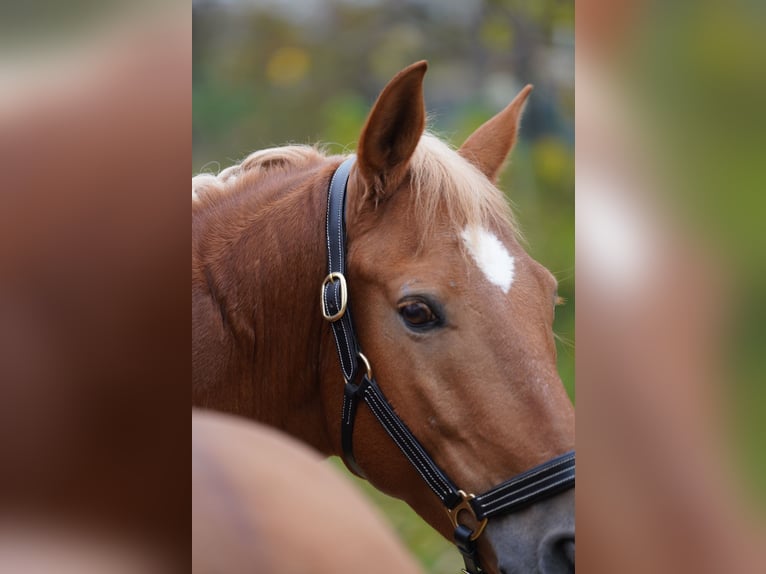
(491, 256)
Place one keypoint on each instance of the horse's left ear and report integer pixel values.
(490, 144)
(392, 131)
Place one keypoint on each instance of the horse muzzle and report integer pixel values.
(539, 538)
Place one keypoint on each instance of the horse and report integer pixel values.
(453, 315)
(261, 514)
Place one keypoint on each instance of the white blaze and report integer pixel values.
(491, 256)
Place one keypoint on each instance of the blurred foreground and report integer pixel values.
(94, 320)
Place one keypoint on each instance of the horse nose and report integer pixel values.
(557, 555)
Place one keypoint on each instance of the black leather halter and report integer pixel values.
(540, 482)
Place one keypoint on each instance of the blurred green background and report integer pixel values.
(273, 72)
(704, 106)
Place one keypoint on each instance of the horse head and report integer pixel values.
(456, 321)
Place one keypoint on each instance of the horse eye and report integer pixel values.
(418, 314)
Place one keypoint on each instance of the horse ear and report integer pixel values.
(393, 130)
(489, 145)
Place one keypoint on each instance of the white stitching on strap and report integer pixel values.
(490, 506)
(521, 488)
(543, 468)
(340, 353)
(530, 495)
(344, 414)
(435, 481)
(408, 452)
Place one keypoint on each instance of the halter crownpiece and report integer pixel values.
(540, 482)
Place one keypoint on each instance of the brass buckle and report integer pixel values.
(343, 296)
(465, 504)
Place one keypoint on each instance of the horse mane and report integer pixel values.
(259, 162)
(441, 179)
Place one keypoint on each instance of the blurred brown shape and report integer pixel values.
(261, 498)
(94, 363)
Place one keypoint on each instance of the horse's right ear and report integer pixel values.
(392, 131)
(490, 144)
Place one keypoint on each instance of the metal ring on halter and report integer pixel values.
(343, 296)
(366, 364)
(465, 505)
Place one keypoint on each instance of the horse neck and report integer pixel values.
(259, 343)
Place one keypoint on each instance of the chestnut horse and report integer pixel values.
(453, 315)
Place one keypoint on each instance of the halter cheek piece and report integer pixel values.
(540, 482)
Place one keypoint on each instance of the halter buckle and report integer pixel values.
(465, 505)
(331, 278)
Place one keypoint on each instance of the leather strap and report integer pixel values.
(525, 489)
(343, 328)
(369, 391)
(467, 548)
(351, 394)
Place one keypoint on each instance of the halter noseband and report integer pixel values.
(542, 481)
